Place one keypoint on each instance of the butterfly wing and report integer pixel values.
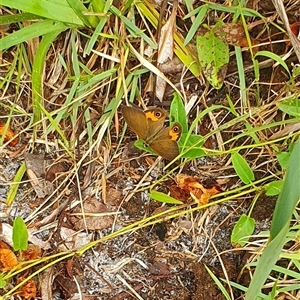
(165, 142)
(156, 118)
(136, 121)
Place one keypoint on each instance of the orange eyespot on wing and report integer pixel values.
(155, 114)
(175, 132)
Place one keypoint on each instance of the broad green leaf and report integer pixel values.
(2, 284)
(213, 56)
(177, 112)
(48, 9)
(290, 106)
(19, 235)
(161, 197)
(274, 188)
(193, 145)
(286, 203)
(242, 168)
(283, 159)
(242, 230)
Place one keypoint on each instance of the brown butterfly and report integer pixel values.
(149, 126)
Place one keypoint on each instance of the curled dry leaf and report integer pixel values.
(189, 188)
(32, 252)
(28, 290)
(165, 49)
(35, 164)
(9, 135)
(8, 259)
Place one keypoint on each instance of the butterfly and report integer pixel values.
(149, 126)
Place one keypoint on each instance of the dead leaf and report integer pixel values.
(54, 170)
(114, 197)
(72, 239)
(9, 135)
(166, 39)
(165, 49)
(92, 208)
(35, 164)
(8, 259)
(32, 252)
(159, 268)
(234, 34)
(288, 129)
(28, 290)
(190, 188)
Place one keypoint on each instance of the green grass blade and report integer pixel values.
(46, 9)
(30, 32)
(290, 194)
(15, 184)
(196, 23)
(80, 9)
(288, 199)
(9, 19)
(37, 70)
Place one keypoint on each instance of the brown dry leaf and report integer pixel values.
(9, 135)
(280, 8)
(55, 170)
(32, 252)
(8, 259)
(28, 290)
(234, 34)
(166, 40)
(114, 197)
(288, 129)
(35, 164)
(72, 239)
(159, 268)
(295, 28)
(92, 222)
(189, 187)
(165, 49)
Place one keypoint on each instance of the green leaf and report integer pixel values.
(274, 188)
(242, 230)
(283, 159)
(19, 235)
(47, 9)
(196, 23)
(290, 106)
(242, 168)
(177, 112)
(192, 148)
(275, 57)
(2, 284)
(213, 56)
(30, 32)
(286, 203)
(161, 197)
(15, 184)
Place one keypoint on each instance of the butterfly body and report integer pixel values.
(149, 126)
